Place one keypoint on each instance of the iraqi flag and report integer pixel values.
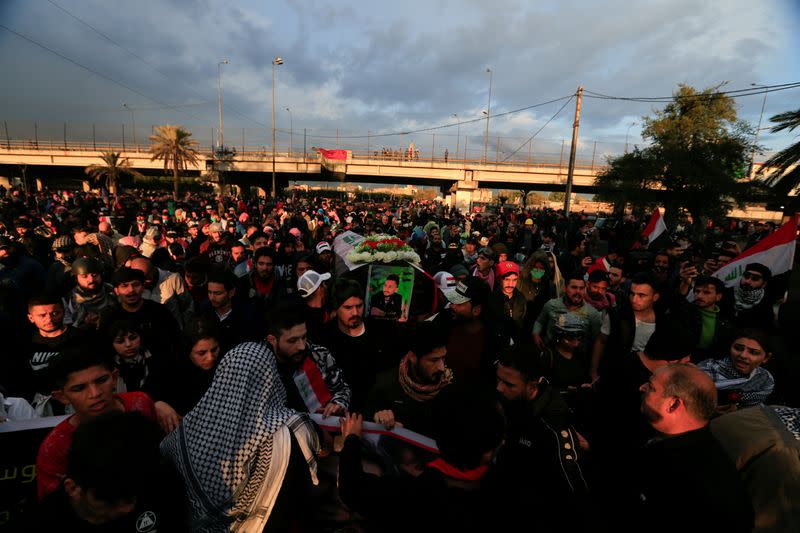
(654, 228)
(775, 251)
(333, 163)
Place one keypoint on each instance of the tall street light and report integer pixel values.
(488, 113)
(291, 129)
(220, 138)
(275, 62)
(458, 134)
(133, 120)
(758, 128)
(632, 124)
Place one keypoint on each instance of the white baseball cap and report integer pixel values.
(445, 281)
(323, 246)
(309, 282)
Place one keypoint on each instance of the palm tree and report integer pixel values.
(107, 175)
(785, 165)
(175, 146)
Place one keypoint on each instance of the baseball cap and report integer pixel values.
(323, 246)
(296, 233)
(445, 280)
(529, 222)
(507, 267)
(471, 290)
(310, 281)
(459, 270)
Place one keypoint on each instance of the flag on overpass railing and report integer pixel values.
(333, 162)
(775, 251)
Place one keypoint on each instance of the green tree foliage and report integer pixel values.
(534, 198)
(108, 174)
(783, 169)
(556, 196)
(174, 146)
(697, 150)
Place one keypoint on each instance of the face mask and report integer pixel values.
(537, 273)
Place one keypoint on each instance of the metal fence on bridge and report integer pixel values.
(257, 142)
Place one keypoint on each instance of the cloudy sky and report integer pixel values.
(382, 67)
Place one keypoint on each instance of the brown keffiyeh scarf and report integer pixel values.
(417, 391)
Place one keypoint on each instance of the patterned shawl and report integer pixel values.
(233, 447)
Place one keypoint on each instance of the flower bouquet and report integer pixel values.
(382, 249)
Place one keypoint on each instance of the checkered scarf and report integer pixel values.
(233, 447)
(419, 391)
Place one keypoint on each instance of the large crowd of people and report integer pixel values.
(573, 377)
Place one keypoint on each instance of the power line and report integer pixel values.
(143, 60)
(442, 126)
(540, 129)
(738, 93)
(96, 73)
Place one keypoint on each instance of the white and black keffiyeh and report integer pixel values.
(233, 447)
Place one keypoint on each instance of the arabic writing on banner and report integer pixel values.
(343, 244)
(20, 442)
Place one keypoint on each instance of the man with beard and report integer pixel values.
(540, 444)
(262, 287)
(406, 394)
(751, 305)
(572, 302)
(313, 381)
(51, 338)
(469, 339)
(507, 304)
(678, 401)
(83, 306)
(154, 320)
(358, 351)
(388, 303)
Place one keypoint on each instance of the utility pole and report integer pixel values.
(221, 140)
(573, 147)
(488, 113)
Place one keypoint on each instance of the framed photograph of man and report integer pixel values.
(389, 291)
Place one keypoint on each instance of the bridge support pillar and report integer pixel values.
(39, 185)
(85, 185)
(461, 195)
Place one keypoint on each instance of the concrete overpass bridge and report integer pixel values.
(457, 179)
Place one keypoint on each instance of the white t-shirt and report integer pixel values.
(643, 332)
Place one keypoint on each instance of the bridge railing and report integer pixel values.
(264, 153)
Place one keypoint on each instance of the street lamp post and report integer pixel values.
(626, 135)
(133, 120)
(758, 129)
(488, 113)
(276, 61)
(291, 129)
(458, 134)
(220, 138)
